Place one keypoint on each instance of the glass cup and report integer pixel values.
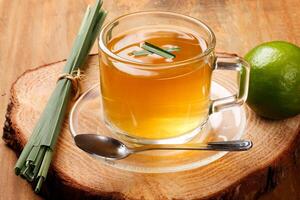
(163, 103)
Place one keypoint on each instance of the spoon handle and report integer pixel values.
(234, 145)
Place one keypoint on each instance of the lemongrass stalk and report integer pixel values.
(34, 161)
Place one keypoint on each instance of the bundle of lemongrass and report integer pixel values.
(35, 159)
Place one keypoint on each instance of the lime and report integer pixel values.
(274, 88)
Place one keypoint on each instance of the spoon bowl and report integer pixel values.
(103, 146)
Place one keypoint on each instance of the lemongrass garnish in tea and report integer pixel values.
(157, 50)
(145, 52)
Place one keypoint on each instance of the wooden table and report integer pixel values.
(36, 32)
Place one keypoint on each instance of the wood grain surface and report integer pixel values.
(75, 175)
(34, 32)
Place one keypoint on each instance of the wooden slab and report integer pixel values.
(75, 175)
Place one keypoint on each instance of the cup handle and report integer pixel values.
(225, 61)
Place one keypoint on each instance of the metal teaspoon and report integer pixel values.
(111, 148)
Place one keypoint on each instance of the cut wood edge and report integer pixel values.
(60, 185)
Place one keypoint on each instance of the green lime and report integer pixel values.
(274, 88)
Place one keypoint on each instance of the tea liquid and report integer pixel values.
(155, 98)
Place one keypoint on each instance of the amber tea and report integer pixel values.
(156, 101)
(155, 74)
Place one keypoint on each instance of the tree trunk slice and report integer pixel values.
(75, 175)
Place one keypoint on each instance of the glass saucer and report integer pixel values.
(85, 117)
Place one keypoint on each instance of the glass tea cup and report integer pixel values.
(149, 100)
